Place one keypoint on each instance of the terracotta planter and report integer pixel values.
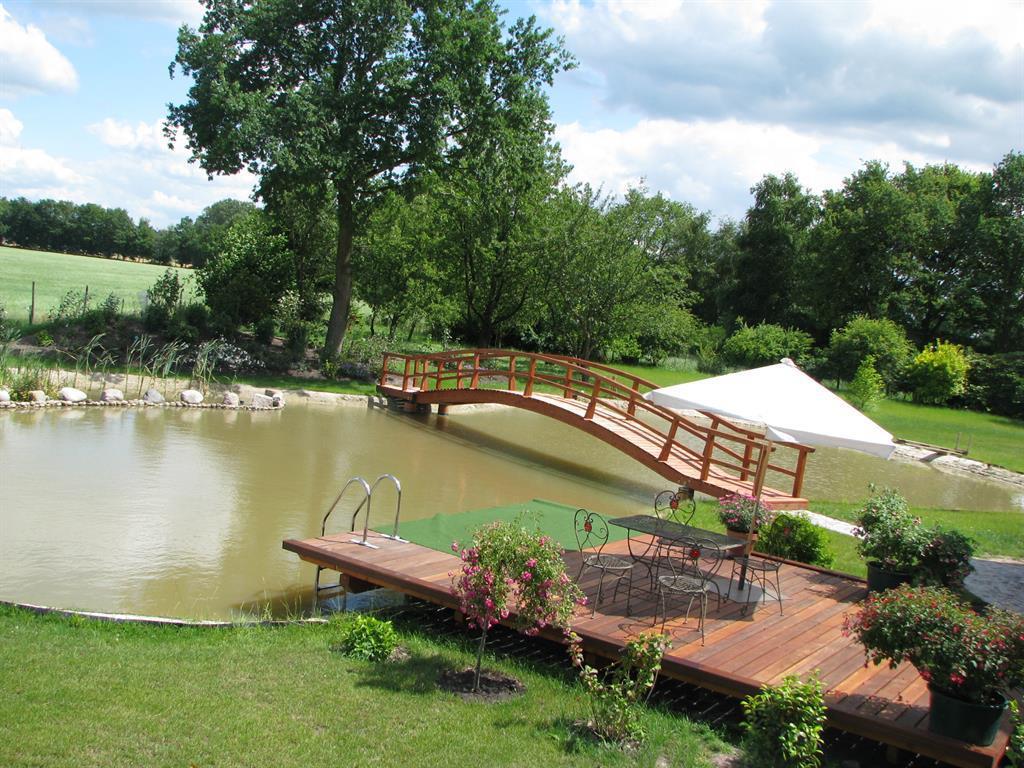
(880, 579)
(964, 720)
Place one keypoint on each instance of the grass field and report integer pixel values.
(57, 273)
(75, 692)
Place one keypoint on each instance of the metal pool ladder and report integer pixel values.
(366, 501)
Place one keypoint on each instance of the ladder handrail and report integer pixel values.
(366, 499)
(398, 505)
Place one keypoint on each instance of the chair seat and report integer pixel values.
(608, 562)
(683, 584)
(760, 564)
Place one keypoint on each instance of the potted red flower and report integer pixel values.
(971, 660)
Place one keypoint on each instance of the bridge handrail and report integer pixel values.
(602, 385)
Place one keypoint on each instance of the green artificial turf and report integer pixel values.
(553, 519)
(76, 692)
(57, 273)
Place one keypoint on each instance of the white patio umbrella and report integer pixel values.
(793, 407)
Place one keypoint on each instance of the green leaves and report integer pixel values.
(783, 724)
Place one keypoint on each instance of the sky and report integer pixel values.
(696, 100)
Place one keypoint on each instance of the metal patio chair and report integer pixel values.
(592, 533)
(760, 571)
(694, 564)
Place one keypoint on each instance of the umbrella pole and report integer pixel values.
(762, 469)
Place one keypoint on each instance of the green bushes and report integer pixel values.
(783, 725)
(867, 387)
(938, 373)
(863, 336)
(163, 298)
(765, 344)
(366, 637)
(995, 383)
(795, 537)
(616, 696)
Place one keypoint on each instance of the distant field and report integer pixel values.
(57, 273)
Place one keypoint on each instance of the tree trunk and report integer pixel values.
(479, 660)
(338, 322)
(412, 328)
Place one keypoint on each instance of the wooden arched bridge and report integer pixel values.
(716, 457)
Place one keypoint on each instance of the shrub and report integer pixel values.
(945, 559)
(888, 533)
(615, 697)
(162, 300)
(190, 322)
(863, 336)
(967, 655)
(1015, 749)
(506, 565)
(795, 537)
(766, 344)
(3, 318)
(70, 308)
(867, 387)
(366, 637)
(706, 346)
(244, 282)
(263, 330)
(996, 383)
(938, 373)
(738, 512)
(783, 725)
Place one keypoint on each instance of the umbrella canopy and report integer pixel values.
(793, 407)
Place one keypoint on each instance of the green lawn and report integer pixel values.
(76, 692)
(57, 273)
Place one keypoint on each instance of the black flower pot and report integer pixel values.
(965, 720)
(880, 579)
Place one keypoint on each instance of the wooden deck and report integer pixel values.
(741, 652)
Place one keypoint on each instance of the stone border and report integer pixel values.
(29, 405)
(132, 618)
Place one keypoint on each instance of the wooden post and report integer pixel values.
(528, 392)
(748, 453)
(458, 374)
(567, 392)
(709, 452)
(85, 300)
(631, 410)
(666, 449)
(592, 405)
(475, 381)
(801, 464)
(32, 306)
(405, 375)
(512, 372)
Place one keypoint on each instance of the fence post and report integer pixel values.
(32, 306)
(85, 300)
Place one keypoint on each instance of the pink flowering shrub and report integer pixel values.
(509, 573)
(739, 511)
(960, 652)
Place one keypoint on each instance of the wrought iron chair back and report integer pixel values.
(677, 506)
(591, 530)
(700, 558)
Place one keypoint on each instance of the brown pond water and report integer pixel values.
(182, 512)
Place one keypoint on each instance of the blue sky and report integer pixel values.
(697, 100)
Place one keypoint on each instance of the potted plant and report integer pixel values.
(890, 539)
(970, 660)
(741, 514)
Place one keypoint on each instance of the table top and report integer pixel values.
(670, 529)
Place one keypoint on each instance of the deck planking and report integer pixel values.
(742, 651)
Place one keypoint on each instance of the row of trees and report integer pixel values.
(66, 227)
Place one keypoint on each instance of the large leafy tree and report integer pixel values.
(359, 95)
(769, 266)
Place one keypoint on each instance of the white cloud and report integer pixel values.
(712, 165)
(122, 135)
(10, 127)
(29, 63)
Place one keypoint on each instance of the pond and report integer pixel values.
(182, 512)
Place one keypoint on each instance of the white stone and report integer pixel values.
(262, 401)
(191, 396)
(111, 395)
(230, 398)
(273, 392)
(152, 396)
(5, 396)
(72, 395)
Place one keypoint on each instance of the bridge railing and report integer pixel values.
(726, 449)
